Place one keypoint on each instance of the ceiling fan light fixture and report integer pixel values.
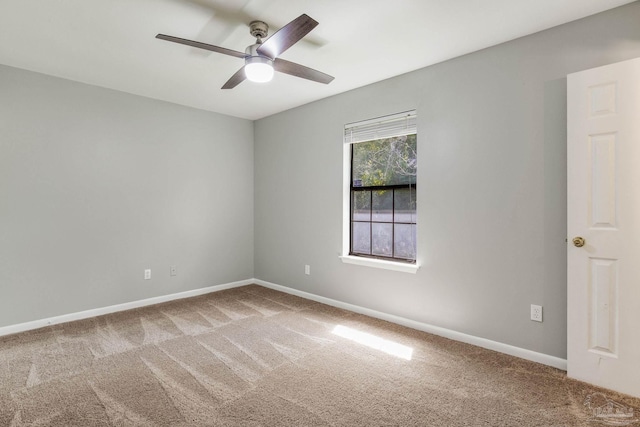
(258, 69)
(261, 56)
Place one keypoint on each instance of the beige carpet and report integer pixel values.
(252, 356)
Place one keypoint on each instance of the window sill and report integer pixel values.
(380, 263)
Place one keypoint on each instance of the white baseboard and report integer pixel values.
(27, 326)
(522, 353)
(544, 359)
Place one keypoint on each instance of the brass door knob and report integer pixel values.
(578, 242)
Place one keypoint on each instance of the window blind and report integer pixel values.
(381, 127)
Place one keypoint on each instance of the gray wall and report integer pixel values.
(97, 185)
(491, 186)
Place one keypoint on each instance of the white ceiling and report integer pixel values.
(111, 43)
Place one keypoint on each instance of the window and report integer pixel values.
(382, 187)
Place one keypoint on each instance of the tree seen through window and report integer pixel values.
(383, 198)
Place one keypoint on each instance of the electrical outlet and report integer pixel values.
(173, 271)
(307, 270)
(147, 274)
(536, 313)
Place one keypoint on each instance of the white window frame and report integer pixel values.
(379, 128)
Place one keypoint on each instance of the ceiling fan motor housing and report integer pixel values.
(253, 51)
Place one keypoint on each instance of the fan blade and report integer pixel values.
(202, 46)
(287, 36)
(235, 80)
(301, 71)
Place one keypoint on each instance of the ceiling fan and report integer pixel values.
(261, 58)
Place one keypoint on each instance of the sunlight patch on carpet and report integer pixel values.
(375, 342)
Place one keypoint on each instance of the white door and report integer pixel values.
(603, 149)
